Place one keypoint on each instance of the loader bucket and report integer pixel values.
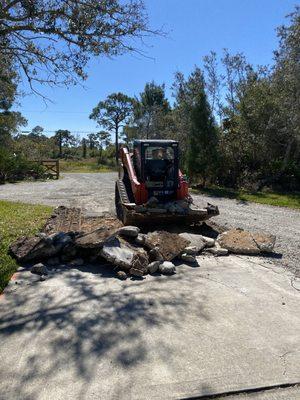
(128, 214)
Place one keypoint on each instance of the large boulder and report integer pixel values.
(32, 248)
(243, 242)
(169, 245)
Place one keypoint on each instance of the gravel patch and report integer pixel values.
(95, 193)
(280, 221)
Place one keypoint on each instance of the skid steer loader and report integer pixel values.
(152, 189)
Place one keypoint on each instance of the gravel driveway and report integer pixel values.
(95, 193)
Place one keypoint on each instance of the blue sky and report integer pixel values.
(194, 28)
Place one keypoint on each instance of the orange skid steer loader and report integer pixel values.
(151, 188)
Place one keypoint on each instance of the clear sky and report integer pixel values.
(194, 28)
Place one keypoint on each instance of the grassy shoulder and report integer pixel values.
(17, 219)
(85, 166)
(290, 200)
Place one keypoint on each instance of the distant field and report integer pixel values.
(290, 200)
(89, 165)
(17, 219)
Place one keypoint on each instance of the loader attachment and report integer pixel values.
(154, 212)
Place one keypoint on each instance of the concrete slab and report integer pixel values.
(230, 324)
(286, 393)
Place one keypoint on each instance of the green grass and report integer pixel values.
(88, 165)
(17, 219)
(290, 200)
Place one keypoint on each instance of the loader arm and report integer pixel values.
(138, 189)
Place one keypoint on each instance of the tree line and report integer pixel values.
(238, 124)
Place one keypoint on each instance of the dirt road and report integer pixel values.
(95, 193)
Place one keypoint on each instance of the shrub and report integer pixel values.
(14, 167)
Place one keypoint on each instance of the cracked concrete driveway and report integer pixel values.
(229, 327)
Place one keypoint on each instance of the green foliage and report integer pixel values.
(150, 109)
(10, 121)
(63, 138)
(197, 132)
(113, 113)
(17, 219)
(50, 41)
(14, 167)
(259, 141)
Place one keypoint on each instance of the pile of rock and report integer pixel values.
(154, 206)
(125, 248)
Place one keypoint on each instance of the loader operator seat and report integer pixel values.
(159, 166)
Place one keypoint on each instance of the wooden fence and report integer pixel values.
(51, 167)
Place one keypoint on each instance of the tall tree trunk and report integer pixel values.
(60, 145)
(83, 148)
(117, 142)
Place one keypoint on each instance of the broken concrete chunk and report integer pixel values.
(152, 202)
(188, 258)
(195, 240)
(119, 252)
(96, 238)
(177, 207)
(140, 262)
(169, 245)
(153, 267)
(122, 275)
(242, 242)
(155, 255)
(60, 240)
(39, 269)
(32, 248)
(63, 219)
(265, 242)
(136, 272)
(192, 250)
(167, 268)
(115, 252)
(209, 242)
(217, 250)
(130, 231)
(140, 239)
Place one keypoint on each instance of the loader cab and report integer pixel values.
(156, 163)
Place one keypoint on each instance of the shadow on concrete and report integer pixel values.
(78, 321)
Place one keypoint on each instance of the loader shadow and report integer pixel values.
(77, 320)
